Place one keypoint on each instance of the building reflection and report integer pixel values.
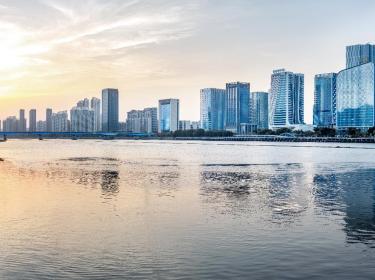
(352, 195)
(277, 187)
(110, 182)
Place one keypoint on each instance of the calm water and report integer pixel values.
(188, 210)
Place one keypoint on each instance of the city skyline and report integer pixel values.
(56, 60)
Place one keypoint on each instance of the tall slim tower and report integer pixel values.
(32, 120)
(287, 99)
(325, 100)
(110, 110)
(22, 121)
(259, 109)
(49, 120)
(237, 106)
(95, 106)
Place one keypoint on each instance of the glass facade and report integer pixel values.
(168, 115)
(237, 106)
(355, 97)
(325, 100)
(110, 110)
(260, 109)
(359, 54)
(287, 99)
(212, 101)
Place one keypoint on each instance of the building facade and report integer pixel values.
(110, 110)
(49, 120)
(32, 120)
(212, 106)
(169, 115)
(142, 121)
(82, 119)
(10, 124)
(324, 112)
(259, 112)
(286, 99)
(95, 105)
(60, 122)
(237, 106)
(357, 55)
(355, 97)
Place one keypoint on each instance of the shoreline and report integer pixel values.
(271, 138)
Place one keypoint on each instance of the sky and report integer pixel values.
(56, 52)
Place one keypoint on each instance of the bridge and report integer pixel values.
(71, 135)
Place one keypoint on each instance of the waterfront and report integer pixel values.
(178, 209)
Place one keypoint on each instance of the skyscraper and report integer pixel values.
(359, 54)
(237, 106)
(325, 100)
(169, 115)
(110, 110)
(95, 106)
(259, 102)
(287, 99)
(32, 120)
(60, 122)
(212, 106)
(355, 97)
(82, 119)
(22, 121)
(49, 120)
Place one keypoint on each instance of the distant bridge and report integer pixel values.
(72, 135)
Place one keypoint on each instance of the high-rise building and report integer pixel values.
(84, 103)
(22, 121)
(359, 54)
(32, 120)
(10, 124)
(60, 122)
(95, 106)
(259, 112)
(325, 100)
(169, 115)
(355, 97)
(41, 126)
(82, 119)
(49, 120)
(286, 99)
(212, 106)
(237, 106)
(142, 121)
(110, 110)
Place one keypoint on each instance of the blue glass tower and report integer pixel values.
(169, 113)
(110, 110)
(325, 100)
(359, 54)
(260, 109)
(212, 108)
(355, 97)
(237, 106)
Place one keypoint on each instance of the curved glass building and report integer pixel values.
(355, 97)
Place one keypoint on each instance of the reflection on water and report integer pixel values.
(123, 210)
(352, 195)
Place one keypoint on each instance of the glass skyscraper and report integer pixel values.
(325, 100)
(212, 106)
(237, 106)
(110, 110)
(359, 54)
(32, 120)
(169, 111)
(355, 97)
(287, 99)
(259, 109)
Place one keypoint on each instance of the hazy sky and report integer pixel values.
(53, 53)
